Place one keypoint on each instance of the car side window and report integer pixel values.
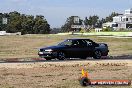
(89, 43)
(75, 43)
(84, 43)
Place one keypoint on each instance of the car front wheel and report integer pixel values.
(61, 56)
(48, 58)
(83, 58)
(97, 54)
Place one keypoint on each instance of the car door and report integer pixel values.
(75, 50)
(89, 50)
(79, 48)
(84, 49)
(71, 49)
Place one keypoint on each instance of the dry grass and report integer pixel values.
(59, 75)
(62, 74)
(26, 46)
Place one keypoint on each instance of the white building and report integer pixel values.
(121, 21)
(98, 29)
(5, 33)
(110, 24)
(2, 32)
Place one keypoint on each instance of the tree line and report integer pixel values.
(90, 22)
(29, 24)
(26, 24)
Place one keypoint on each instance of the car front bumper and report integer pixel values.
(47, 54)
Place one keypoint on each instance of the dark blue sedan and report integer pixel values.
(74, 48)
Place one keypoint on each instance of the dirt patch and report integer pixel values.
(61, 74)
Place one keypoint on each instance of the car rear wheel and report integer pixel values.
(61, 56)
(97, 54)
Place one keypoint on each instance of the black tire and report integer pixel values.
(97, 54)
(85, 81)
(61, 56)
(83, 58)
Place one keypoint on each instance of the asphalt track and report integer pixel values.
(112, 58)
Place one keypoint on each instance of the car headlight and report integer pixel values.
(48, 50)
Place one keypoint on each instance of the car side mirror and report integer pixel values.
(90, 44)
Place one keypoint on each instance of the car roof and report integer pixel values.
(78, 39)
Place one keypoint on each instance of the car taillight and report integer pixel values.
(106, 45)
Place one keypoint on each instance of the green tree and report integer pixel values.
(14, 24)
(41, 26)
(100, 22)
(27, 24)
(86, 21)
(93, 20)
(1, 15)
(110, 17)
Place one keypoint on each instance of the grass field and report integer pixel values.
(59, 74)
(26, 46)
(102, 33)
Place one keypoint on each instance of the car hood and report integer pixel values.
(53, 47)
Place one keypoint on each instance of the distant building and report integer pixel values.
(121, 21)
(77, 26)
(110, 24)
(2, 32)
(5, 33)
(76, 19)
(98, 29)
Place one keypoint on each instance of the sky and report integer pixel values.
(57, 11)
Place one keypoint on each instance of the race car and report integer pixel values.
(74, 48)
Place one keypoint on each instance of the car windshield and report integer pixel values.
(66, 43)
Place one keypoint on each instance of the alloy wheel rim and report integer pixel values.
(61, 56)
(98, 54)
